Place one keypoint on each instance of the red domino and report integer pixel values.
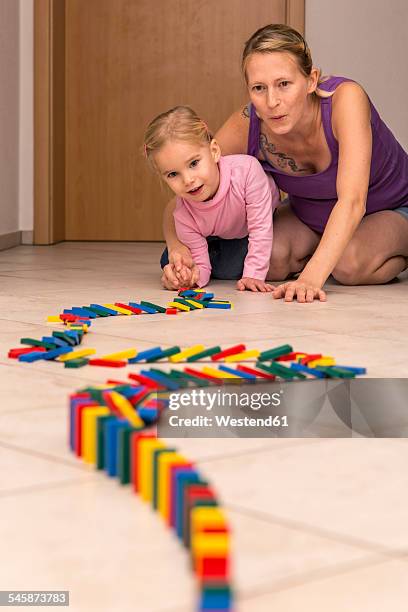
(68, 317)
(144, 380)
(15, 352)
(171, 311)
(109, 363)
(308, 358)
(258, 373)
(288, 356)
(234, 350)
(213, 568)
(203, 375)
(127, 307)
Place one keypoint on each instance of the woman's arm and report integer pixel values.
(233, 135)
(352, 129)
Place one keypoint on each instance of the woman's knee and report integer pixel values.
(352, 269)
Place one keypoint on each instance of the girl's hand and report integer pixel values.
(173, 280)
(301, 289)
(180, 258)
(254, 284)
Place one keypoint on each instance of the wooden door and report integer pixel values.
(125, 62)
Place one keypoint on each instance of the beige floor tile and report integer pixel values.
(356, 489)
(375, 588)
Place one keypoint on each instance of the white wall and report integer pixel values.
(26, 131)
(366, 41)
(9, 116)
(16, 116)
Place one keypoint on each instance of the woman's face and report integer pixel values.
(278, 89)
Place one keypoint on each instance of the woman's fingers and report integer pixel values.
(301, 291)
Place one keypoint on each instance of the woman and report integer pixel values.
(325, 146)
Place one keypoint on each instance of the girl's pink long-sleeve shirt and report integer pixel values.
(243, 206)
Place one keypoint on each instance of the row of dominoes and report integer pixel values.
(185, 301)
(107, 426)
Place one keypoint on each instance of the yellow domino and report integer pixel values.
(218, 373)
(210, 545)
(77, 327)
(193, 350)
(127, 410)
(118, 309)
(243, 356)
(202, 516)
(75, 354)
(164, 462)
(179, 306)
(145, 467)
(54, 319)
(89, 433)
(323, 361)
(195, 303)
(126, 354)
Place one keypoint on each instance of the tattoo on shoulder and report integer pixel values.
(245, 112)
(281, 159)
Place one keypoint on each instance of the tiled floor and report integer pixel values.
(319, 524)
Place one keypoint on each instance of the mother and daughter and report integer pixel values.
(319, 140)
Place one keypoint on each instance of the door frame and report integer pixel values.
(49, 114)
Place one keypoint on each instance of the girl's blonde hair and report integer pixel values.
(178, 123)
(280, 37)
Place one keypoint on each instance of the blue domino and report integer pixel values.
(354, 369)
(218, 305)
(182, 478)
(83, 312)
(153, 352)
(74, 335)
(30, 357)
(56, 341)
(298, 367)
(61, 350)
(111, 445)
(245, 375)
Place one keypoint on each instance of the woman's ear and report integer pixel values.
(313, 80)
(215, 150)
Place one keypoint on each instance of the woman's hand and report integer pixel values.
(302, 289)
(254, 284)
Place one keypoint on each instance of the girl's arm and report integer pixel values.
(352, 129)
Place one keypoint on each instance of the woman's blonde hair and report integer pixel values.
(280, 37)
(178, 123)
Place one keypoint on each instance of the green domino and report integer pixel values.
(33, 342)
(335, 372)
(183, 383)
(275, 352)
(271, 369)
(124, 434)
(76, 363)
(155, 306)
(207, 353)
(68, 339)
(199, 382)
(100, 440)
(189, 304)
(98, 311)
(166, 353)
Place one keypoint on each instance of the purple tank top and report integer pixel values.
(313, 196)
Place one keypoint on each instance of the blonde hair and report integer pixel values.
(178, 123)
(280, 37)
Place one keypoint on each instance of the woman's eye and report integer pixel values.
(257, 88)
(194, 163)
(284, 83)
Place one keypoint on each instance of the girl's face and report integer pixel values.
(190, 169)
(279, 90)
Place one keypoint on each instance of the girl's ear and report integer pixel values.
(215, 150)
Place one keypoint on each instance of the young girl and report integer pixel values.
(228, 197)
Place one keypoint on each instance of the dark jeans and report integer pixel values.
(226, 257)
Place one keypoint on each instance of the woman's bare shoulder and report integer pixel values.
(233, 134)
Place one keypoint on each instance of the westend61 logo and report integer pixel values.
(223, 399)
(230, 407)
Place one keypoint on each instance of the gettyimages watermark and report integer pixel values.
(360, 407)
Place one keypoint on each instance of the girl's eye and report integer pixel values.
(194, 163)
(171, 175)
